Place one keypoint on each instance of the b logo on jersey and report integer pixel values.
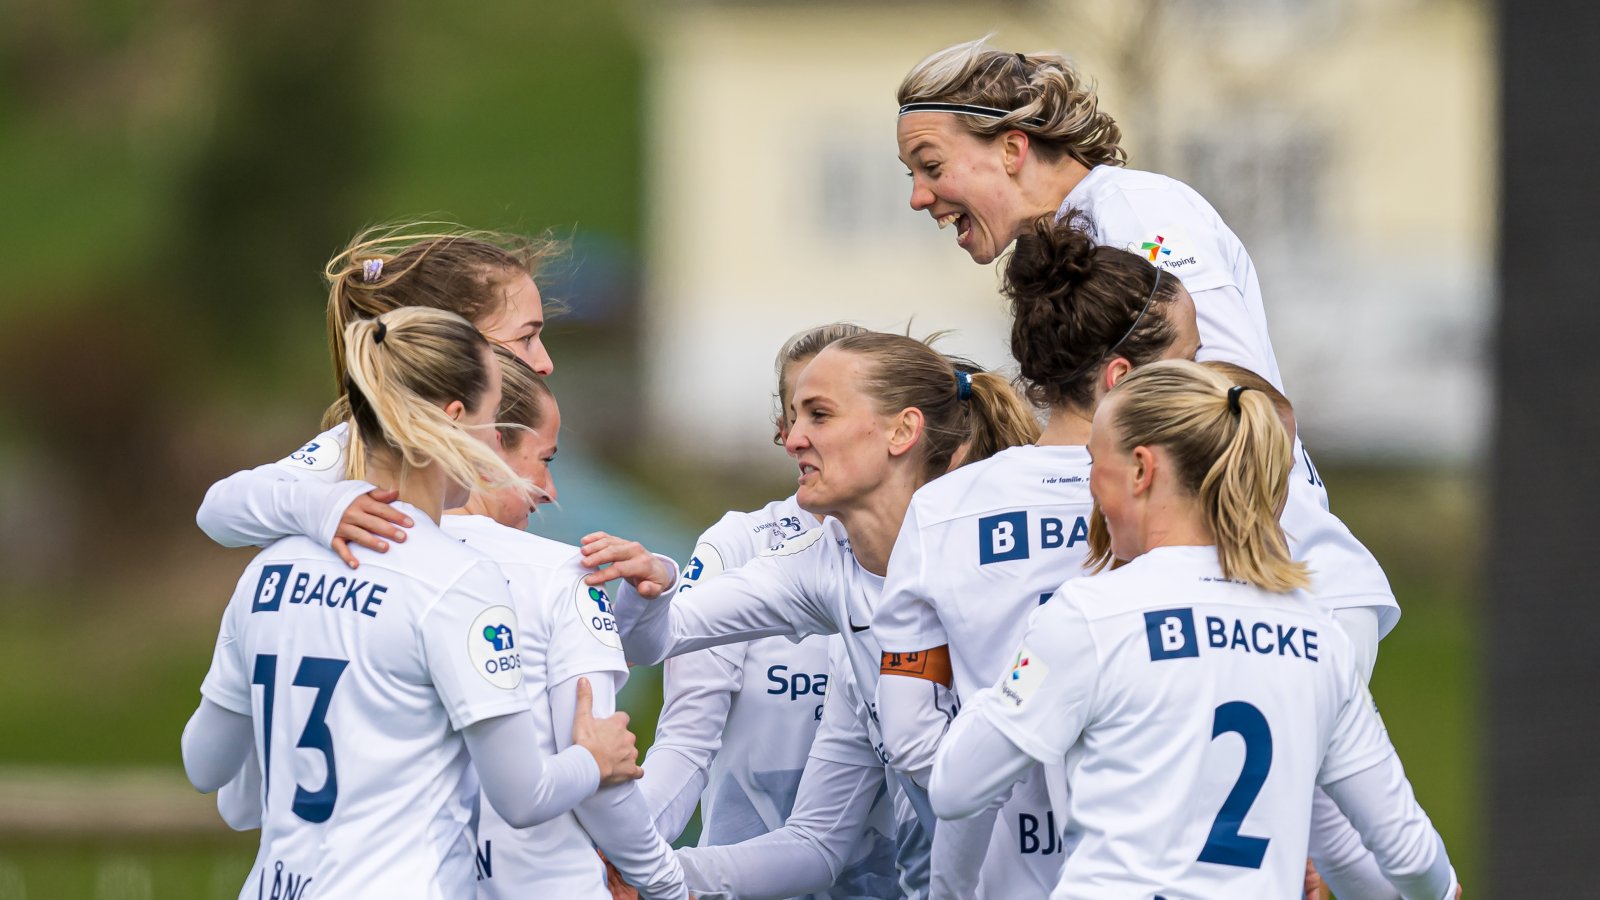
(269, 590)
(594, 611)
(499, 636)
(1171, 634)
(490, 647)
(1002, 538)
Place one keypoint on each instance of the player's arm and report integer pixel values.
(301, 494)
(216, 743)
(239, 801)
(526, 787)
(842, 779)
(1034, 713)
(699, 689)
(617, 817)
(1363, 775)
(769, 596)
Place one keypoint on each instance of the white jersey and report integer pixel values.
(809, 585)
(565, 631)
(1194, 714)
(1170, 224)
(776, 687)
(980, 549)
(359, 682)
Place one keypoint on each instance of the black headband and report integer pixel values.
(1081, 370)
(968, 109)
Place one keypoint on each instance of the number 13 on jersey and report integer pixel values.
(322, 675)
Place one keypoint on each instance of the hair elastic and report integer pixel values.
(963, 385)
(371, 270)
(968, 109)
(380, 333)
(1121, 340)
(1233, 397)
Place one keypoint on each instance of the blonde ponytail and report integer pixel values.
(1000, 418)
(400, 368)
(1229, 449)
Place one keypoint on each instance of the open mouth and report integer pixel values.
(806, 469)
(963, 225)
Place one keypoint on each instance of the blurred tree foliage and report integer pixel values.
(176, 173)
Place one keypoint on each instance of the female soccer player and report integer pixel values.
(714, 739)
(1195, 694)
(483, 277)
(374, 692)
(875, 416)
(566, 635)
(995, 140)
(982, 547)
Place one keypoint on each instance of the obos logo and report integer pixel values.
(316, 456)
(491, 644)
(594, 610)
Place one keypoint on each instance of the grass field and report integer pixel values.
(114, 704)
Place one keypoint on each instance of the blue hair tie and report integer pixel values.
(963, 385)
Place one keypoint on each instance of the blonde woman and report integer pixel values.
(366, 697)
(1196, 694)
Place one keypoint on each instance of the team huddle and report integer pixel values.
(1121, 653)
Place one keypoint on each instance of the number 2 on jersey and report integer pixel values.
(1225, 846)
(322, 674)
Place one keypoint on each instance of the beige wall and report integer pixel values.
(776, 201)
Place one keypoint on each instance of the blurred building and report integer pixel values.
(1347, 142)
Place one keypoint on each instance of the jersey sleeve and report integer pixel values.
(301, 494)
(841, 737)
(467, 638)
(583, 634)
(1359, 740)
(1044, 700)
(907, 619)
(227, 683)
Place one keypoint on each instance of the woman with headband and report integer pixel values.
(982, 547)
(994, 140)
(1197, 693)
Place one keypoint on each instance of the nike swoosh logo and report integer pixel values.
(857, 629)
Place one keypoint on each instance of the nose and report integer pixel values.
(921, 195)
(539, 359)
(796, 440)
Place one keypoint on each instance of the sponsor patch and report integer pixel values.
(594, 610)
(317, 456)
(1028, 671)
(1168, 248)
(796, 544)
(492, 647)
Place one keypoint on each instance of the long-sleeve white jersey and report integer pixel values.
(566, 632)
(1194, 714)
(724, 706)
(980, 549)
(359, 684)
(1174, 227)
(809, 585)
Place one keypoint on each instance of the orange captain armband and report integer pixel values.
(932, 664)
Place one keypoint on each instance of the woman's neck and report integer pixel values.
(1068, 426)
(874, 525)
(1049, 184)
(476, 505)
(422, 487)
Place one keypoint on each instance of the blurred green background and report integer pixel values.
(172, 188)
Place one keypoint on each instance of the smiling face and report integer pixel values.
(965, 180)
(518, 325)
(837, 437)
(530, 458)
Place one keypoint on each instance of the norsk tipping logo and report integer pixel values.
(1017, 665)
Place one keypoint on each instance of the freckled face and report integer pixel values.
(961, 180)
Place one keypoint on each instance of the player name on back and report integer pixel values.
(281, 584)
(1172, 635)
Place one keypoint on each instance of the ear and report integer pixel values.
(905, 431)
(1014, 150)
(1144, 470)
(1116, 370)
(455, 409)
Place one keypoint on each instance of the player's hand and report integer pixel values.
(608, 740)
(625, 559)
(620, 890)
(1314, 887)
(367, 521)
